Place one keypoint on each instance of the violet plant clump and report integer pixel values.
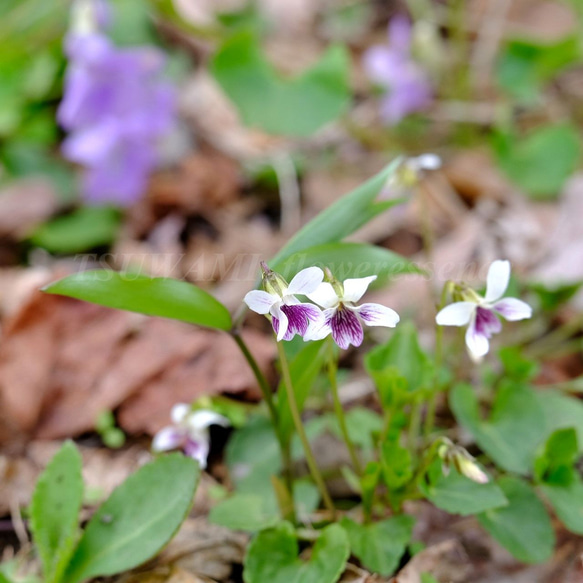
(407, 86)
(116, 108)
(401, 450)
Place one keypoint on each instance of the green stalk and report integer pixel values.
(295, 413)
(284, 444)
(338, 410)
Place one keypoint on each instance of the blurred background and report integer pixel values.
(191, 138)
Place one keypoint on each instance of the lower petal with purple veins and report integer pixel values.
(346, 328)
(476, 341)
(198, 450)
(299, 317)
(486, 322)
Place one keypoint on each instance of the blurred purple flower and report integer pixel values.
(116, 108)
(408, 86)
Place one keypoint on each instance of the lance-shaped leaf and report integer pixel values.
(347, 260)
(137, 520)
(342, 218)
(167, 298)
(54, 511)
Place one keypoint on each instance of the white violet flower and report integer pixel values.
(408, 174)
(289, 316)
(342, 317)
(480, 314)
(189, 432)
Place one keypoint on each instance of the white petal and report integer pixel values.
(198, 449)
(260, 301)
(498, 278)
(202, 419)
(354, 289)
(456, 314)
(179, 413)
(167, 438)
(283, 322)
(324, 296)
(477, 343)
(306, 281)
(377, 315)
(513, 309)
(425, 162)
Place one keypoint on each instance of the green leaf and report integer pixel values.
(567, 502)
(542, 161)
(554, 464)
(361, 424)
(516, 366)
(428, 578)
(368, 483)
(272, 556)
(552, 297)
(561, 412)
(167, 298)
(457, 494)
(304, 369)
(347, 260)
(342, 218)
(84, 229)
(525, 65)
(379, 546)
(137, 520)
(253, 512)
(523, 527)
(396, 463)
(401, 356)
(512, 432)
(265, 100)
(54, 511)
(244, 512)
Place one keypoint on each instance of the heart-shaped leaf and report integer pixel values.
(380, 545)
(167, 298)
(523, 527)
(54, 511)
(137, 520)
(511, 434)
(567, 502)
(272, 556)
(294, 107)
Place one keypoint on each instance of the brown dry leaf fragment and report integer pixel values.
(162, 575)
(63, 362)
(217, 366)
(25, 205)
(205, 549)
(446, 561)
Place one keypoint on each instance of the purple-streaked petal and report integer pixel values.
(346, 328)
(477, 343)
(486, 322)
(179, 412)
(306, 281)
(399, 31)
(299, 317)
(168, 438)
(456, 314)
(280, 323)
(260, 301)
(200, 420)
(377, 315)
(513, 309)
(320, 329)
(197, 449)
(498, 278)
(324, 296)
(354, 289)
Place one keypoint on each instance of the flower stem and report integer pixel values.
(339, 411)
(295, 413)
(414, 427)
(284, 444)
